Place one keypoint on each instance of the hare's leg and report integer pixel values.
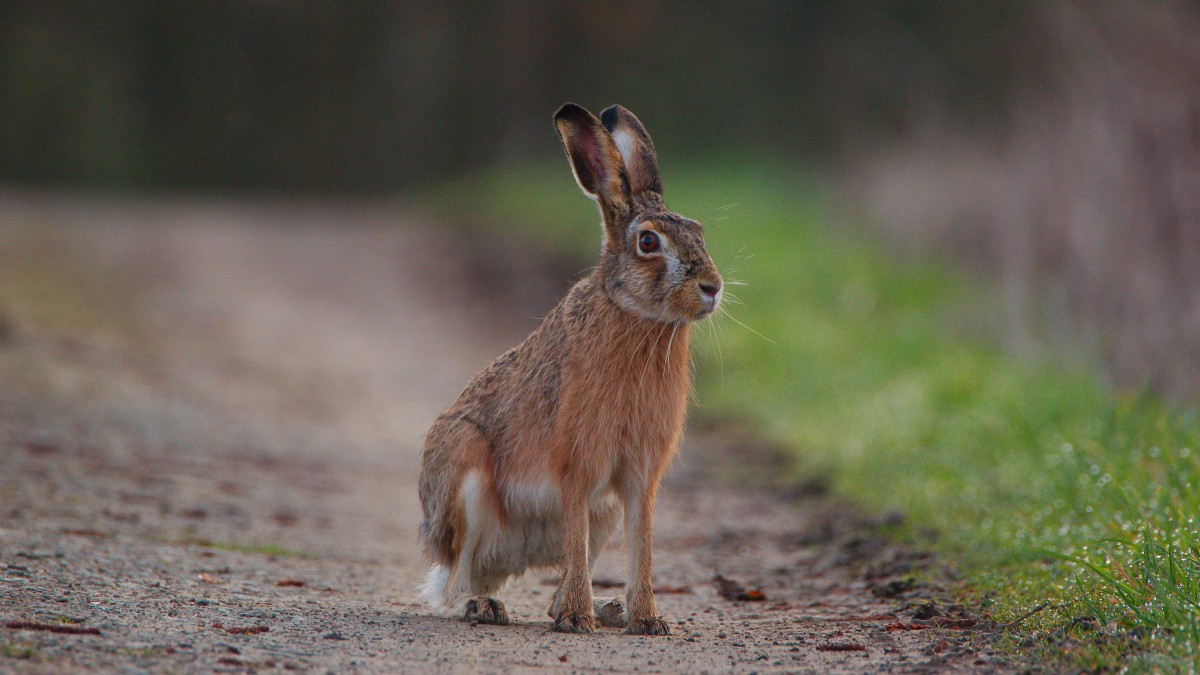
(639, 534)
(470, 586)
(575, 613)
(610, 612)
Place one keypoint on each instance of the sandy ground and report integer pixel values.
(210, 424)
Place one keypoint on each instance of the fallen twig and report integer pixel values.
(51, 627)
(1026, 615)
(247, 630)
(83, 532)
(952, 624)
(604, 582)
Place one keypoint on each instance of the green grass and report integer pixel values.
(1044, 484)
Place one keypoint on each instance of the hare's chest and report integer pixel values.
(624, 393)
(627, 413)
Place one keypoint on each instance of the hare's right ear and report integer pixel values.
(636, 148)
(595, 159)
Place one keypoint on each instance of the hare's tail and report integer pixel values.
(433, 591)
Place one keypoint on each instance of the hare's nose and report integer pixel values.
(710, 289)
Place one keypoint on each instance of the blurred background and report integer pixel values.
(1052, 147)
(963, 241)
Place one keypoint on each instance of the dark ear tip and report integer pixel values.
(609, 116)
(571, 110)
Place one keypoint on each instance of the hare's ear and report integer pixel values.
(637, 151)
(594, 157)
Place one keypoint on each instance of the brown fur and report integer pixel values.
(592, 403)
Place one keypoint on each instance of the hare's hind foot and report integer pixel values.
(574, 622)
(650, 625)
(485, 610)
(611, 613)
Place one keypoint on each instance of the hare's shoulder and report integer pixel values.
(562, 330)
(526, 370)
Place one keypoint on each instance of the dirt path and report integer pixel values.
(223, 476)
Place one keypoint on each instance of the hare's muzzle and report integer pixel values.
(710, 294)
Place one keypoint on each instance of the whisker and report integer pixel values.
(715, 346)
(715, 334)
(633, 353)
(633, 325)
(718, 343)
(671, 342)
(734, 319)
(733, 296)
(650, 356)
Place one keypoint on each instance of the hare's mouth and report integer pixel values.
(709, 300)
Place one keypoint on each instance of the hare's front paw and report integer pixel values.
(485, 610)
(611, 613)
(650, 625)
(574, 622)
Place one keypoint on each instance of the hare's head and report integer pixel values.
(653, 261)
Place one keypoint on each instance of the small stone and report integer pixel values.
(333, 636)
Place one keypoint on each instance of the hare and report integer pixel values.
(547, 447)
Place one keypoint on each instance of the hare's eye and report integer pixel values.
(647, 242)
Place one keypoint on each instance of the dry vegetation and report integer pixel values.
(1085, 202)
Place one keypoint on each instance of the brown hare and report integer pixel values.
(542, 453)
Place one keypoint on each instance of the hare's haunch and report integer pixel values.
(545, 450)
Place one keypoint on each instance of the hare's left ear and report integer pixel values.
(594, 158)
(636, 148)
